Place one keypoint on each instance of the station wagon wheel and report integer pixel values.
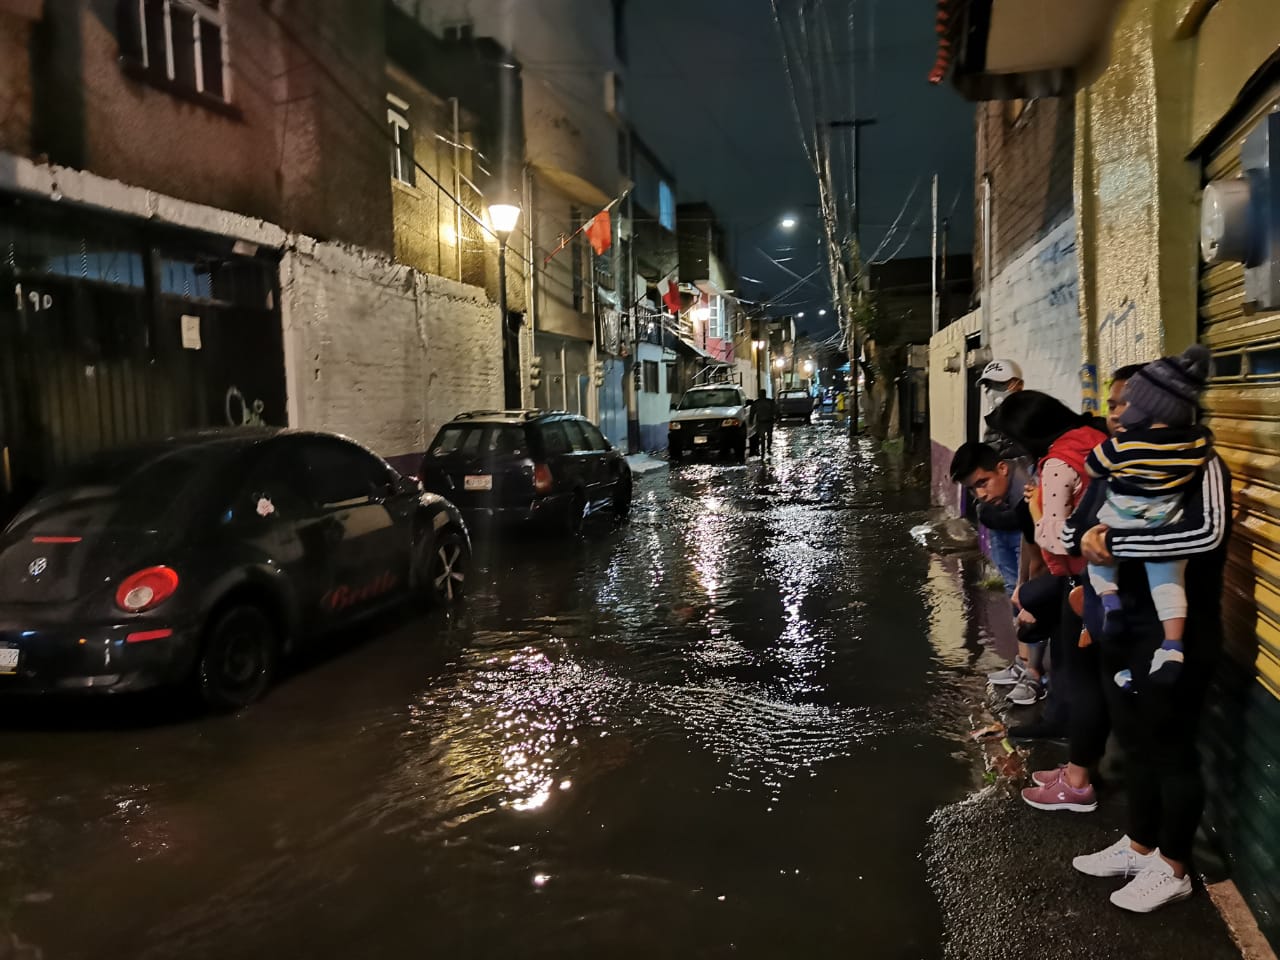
(622, 494)
(446, 577)
(238, 659)
(575, 514)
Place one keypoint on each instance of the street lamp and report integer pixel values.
(787, 223)
(808, 366)
(800, 315)
(822, 313)
(780, 363)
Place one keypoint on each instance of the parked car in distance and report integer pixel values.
(204, 559)
(713, 419)
(527, 466)
(795, 405)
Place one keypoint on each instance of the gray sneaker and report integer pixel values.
(1027, 691)
(1009, 676)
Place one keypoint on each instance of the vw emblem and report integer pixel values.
(38, 566)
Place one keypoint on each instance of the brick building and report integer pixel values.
(1029, 291)
(202, 217)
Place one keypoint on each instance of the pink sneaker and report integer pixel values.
(1061, 795)
(1043, 778)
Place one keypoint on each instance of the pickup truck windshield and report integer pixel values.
(710, 398)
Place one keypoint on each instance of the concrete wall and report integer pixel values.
(1035, 318)
(947, 407)
(1138, 215)
(380, 352)
(654, 408)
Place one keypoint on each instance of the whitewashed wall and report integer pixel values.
(382, 353)
(1035, 315)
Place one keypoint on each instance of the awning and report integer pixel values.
(691, 349)
(1021, 49)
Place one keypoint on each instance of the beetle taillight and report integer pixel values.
(146, 589)
(542, 479)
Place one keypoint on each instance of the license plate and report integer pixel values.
(484, 482)
(9, 659)
(699, 439)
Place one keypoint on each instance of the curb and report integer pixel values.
(642, 463)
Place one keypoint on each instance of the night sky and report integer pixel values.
(708, 92)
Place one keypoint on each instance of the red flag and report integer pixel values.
(600, 232)
(670, 291)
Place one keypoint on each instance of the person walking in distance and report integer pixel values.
(766, 412)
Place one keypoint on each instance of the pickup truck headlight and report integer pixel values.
(675, 424)
(731, 422)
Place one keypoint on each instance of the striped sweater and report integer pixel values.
(1151, 462)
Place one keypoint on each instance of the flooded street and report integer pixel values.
(719, 730)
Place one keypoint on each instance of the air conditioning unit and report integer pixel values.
(614, 96)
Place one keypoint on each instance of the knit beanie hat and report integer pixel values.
(1166, 390)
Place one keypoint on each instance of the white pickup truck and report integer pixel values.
(712, 419)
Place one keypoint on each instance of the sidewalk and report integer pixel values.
(1002, 870)
(642, 463)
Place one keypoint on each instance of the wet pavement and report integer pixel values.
(719, 730)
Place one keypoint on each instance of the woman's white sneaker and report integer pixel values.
(1152, 889)
(1117, 860)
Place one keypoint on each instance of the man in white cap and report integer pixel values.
(999, 379)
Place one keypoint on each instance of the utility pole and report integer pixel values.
(933, 253)
(856, 125)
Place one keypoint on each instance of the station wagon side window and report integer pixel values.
(555, 442)
(594, 435)
(578, 438)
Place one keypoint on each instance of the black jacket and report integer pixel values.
(1200, 538)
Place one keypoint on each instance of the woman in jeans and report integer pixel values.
(1059, 440)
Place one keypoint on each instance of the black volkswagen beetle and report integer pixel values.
(205, 558)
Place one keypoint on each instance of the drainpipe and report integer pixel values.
(531, 282)
(986, 259)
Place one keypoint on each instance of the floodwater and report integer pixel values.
(719, 730)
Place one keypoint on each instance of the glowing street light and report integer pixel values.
(504, 217)
(788, 223)
(822, 313)
(800, 315)
(808, 366)
(780, 363)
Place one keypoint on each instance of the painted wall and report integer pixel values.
(1138, 194)
(947, 407)
(655, 408)
(380, 352)
(1035, 317)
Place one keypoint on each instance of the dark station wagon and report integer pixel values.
(527, 466)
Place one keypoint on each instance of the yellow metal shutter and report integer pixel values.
(1242, 724)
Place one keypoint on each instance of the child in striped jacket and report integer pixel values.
(1148, 467)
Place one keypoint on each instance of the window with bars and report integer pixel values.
(716, 326)
(181, 42)
(403, 167)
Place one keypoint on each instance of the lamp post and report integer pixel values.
(504, 217)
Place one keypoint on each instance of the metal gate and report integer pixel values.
(1242, 727)
(114, 331)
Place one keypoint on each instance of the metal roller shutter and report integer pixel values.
(1242, 728)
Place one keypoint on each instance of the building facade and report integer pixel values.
(202, 219)
(1170, 98)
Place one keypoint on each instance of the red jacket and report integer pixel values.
(1071, 448)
